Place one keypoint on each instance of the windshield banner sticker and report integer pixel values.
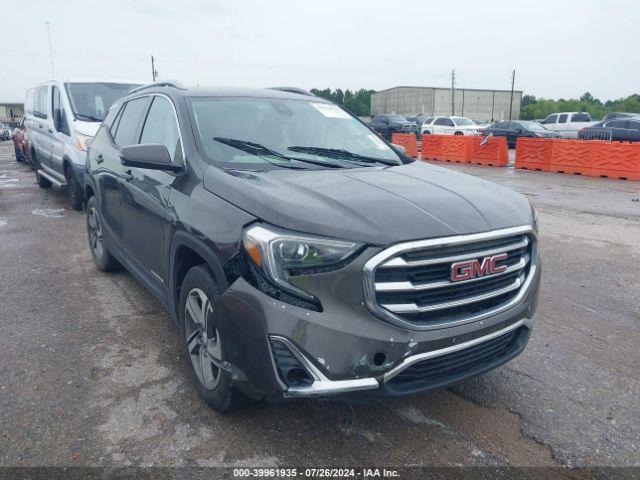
(331, 111)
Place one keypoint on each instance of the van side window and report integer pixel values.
(40, 102)
(563, 118)
(161, 127)
(129, 123)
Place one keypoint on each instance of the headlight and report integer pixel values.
(82, 141)
(283, 255)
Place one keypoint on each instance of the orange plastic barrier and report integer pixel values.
(432, 147)
(534, 153)
(572, 156)
(408, 141)
(616, 160)
(456, 148)
(490, 151)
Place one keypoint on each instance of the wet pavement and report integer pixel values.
(91, 372)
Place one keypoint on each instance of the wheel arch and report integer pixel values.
(188, 251)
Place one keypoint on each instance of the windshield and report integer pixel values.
(263, 132)
(91, 101)
(535, 126)
(462, 122)
(396, 118)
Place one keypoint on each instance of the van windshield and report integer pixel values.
(262, 132)
(91, 101)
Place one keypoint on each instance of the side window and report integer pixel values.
(60, 123)
(616, 124)
(440, 121)
(161, 127)
(550, 119)
(633, 124)
(449, 122)
(580, 117)
(40, 102)
(563, 118)
(111, 116)
(129, 123)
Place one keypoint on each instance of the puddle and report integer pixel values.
(49, 213)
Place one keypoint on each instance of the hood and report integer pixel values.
(86, 128)
(375, 205)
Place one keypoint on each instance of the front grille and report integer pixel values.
(412, 282)
(454, 366)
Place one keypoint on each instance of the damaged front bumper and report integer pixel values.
(345, 349)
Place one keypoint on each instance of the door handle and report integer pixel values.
(127, 175)
(99, 158)
(40, 126)
(51, 130)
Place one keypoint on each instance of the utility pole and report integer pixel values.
(453, 92)
(53, 72)
(513, 81)
(154, 72)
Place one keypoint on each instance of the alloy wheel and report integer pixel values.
(203, 339)
(95, 233)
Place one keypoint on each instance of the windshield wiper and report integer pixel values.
(89, 118)
(340, 153)
(262, 151)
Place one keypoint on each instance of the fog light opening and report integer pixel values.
(297, 376)
(379, 359)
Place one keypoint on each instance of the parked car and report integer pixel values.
(61, 117)
(617, 130)
(451, 126)
(387, 125)
(300, 254)
(5, 132)
(567, 124)
(419, 120)
(614, 115)
(20, 142)
(515, 129)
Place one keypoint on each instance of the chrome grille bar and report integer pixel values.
(401, 262)
(409, 286)
(413, 308)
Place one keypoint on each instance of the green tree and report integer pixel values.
(540, 108)
(357, 102)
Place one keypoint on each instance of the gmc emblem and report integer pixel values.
(476, 268)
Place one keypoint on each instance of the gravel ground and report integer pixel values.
(91, 374)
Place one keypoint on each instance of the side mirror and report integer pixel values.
(399, 148)
(152, 156)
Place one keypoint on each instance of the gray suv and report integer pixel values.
(299, 253)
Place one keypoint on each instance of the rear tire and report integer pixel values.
(99, 251)
(74, 190)
(458, 133)
(199, 295)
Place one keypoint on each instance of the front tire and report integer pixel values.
(74, 189)
(101, 255)
(43, 182)
(199, 296)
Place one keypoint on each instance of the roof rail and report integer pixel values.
(297, 90)
(168, 83)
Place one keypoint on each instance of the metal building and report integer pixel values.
(473, 103)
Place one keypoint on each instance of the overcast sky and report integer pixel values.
(558, 48)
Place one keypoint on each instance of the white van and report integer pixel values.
(61, 116)
(567, 124)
